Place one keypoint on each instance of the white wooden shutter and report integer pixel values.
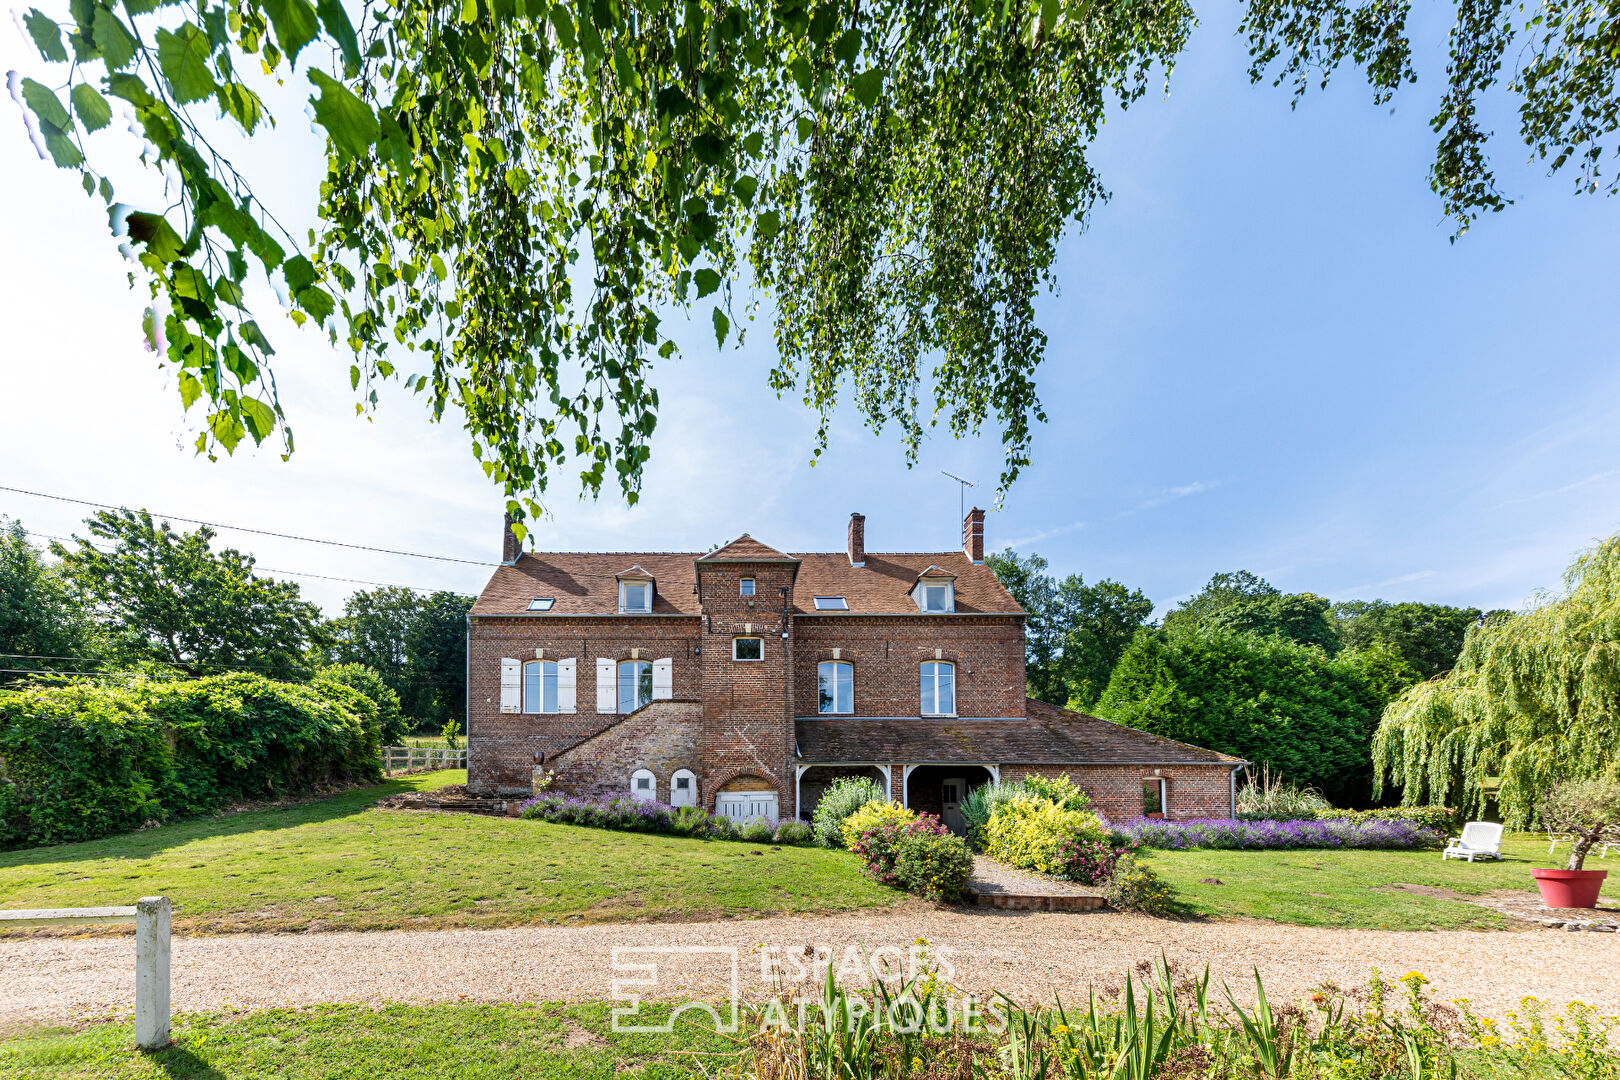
(511, 685)
(663, 679)
(565, 684)
(607, 697)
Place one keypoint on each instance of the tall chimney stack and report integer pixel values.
(511, 546)
(857, 539)
(973, 535)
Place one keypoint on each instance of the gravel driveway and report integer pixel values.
(1029, 955)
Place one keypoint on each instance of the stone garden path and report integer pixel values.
(1031, 955)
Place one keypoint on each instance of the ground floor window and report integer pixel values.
(1153, 800)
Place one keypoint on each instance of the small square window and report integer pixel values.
(831, 603)
(644, 783)
(542, 603)
(637, 596)
(683, 783)
(747, 648)
(936, 597)
(747, 587)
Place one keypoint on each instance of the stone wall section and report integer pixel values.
(661, 737)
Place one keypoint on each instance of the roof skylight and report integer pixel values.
(542, 603)
(831, 603)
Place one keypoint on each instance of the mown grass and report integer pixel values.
(446, 1042)
(343, 863)
(1354, 888)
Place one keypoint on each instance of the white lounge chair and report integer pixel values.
(1479, 840)
(1554, 839)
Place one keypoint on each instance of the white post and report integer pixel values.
(152, 972)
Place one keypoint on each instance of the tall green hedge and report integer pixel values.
(83, 760)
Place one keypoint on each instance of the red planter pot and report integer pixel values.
(1570, 888)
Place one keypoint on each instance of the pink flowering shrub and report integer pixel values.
(1088, 860)
(921, 856)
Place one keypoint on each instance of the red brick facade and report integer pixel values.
(754, 724)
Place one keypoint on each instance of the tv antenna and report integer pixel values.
(961, 496)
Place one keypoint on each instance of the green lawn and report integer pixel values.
(1354, 888)
(446, 1042)
(341, 863)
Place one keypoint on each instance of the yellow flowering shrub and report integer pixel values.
(1028, 832)
(874, 813)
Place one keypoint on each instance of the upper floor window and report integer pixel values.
(635, 685)
(540, 686)
(831, 603)
(938, 688)
(746, 587)
(635, 596)
(837, 686)
(748, 648)
(542, 603)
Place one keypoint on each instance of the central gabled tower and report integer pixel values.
(745, 591)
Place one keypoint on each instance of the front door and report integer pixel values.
(950, 797)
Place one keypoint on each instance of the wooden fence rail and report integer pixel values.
(151, 917)
(415, 758)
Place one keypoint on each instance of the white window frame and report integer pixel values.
(624, 589)
(748, 659)
(831, 603)
(834, 665)
(936, 583)
(547, 669)
(936, 676)
(746, 587)
(618, 684)
(542, 603)
(647, 794)
(1164, 795)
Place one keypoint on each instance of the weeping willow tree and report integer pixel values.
(1534, 698)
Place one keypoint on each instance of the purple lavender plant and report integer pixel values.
(1231, 834)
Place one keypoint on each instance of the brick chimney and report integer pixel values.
(857, 539)
(973, 535)
(511, 546)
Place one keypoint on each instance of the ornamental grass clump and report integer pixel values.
(1231, 834)
(1028, 832)
(1268, 797)
(842, 798)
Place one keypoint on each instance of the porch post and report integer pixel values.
(905, 785)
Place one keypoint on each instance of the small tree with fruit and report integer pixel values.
(1588, 810)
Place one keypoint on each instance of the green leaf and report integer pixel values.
(745, 187)
(46, 34)
(348, 121)
(866, 86)
(190, 389)
(183, 59)
(258, 416)
(295, 23)
(848, 46)
(317, 301)
(769, 223)
(163, 244)
(563, 23)
(131, 89)
(94, 111)
(241, 105)
(46, 105)
(707, 281)
(116, 43)
(299, 273)
(722, 326)
(439, 270)
(254, 336)
(341, 30)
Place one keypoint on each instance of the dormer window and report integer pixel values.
(935, 592)
(635, 591)
(542, 603)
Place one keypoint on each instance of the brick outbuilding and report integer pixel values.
(746, 679)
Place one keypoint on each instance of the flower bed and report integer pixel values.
(629, 815)
(916, 853)
(1231, 834)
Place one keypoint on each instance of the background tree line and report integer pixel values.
(136, 597)
(1291, 680)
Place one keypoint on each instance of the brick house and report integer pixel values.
(745, 680)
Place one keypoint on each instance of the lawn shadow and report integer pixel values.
(145, 843)
(178, 1062)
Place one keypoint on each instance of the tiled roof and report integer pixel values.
(585, 583)
(1048, 735)
(745, 548)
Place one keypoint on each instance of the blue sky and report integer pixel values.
(1265, 354)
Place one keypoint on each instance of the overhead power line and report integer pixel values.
(273, 570)
(248, 529)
